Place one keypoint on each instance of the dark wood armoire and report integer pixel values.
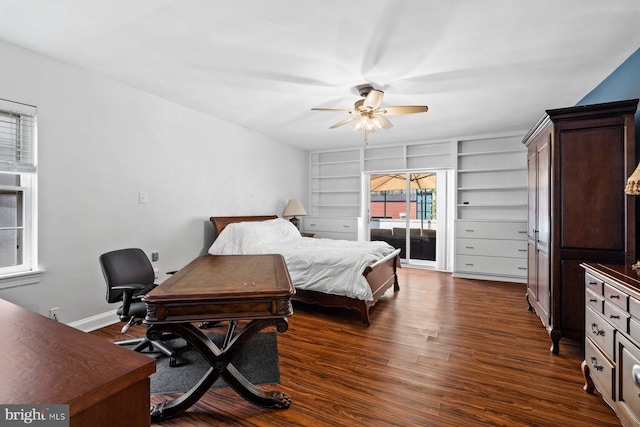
(579, 159)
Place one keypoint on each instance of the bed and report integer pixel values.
(330, 273)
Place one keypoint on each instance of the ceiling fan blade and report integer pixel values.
(373, 99)
(344, 122)
(385, 123)
(333, 110)
(406, 109)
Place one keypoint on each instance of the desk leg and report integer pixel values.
(220, 366)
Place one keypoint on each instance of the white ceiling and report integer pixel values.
(482, 66)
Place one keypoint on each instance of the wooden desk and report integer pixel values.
(46, 362)
(214, 288)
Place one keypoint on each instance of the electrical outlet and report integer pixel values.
(53, 313)
(155, 256)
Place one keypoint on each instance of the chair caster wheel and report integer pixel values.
(173, 362)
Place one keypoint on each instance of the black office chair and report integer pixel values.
(129, 276)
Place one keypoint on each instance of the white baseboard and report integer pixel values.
(96, 322)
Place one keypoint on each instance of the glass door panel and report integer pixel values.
(402, 212)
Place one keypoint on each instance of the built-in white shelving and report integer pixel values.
(491, 207)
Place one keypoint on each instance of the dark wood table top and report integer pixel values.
(223, 287)
(46, 362)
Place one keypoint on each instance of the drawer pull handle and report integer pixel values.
(593, 300)
(346, 226)
(522, 250)
(470, 231)
(636, 374)
(312, 225)
(469, 247)
(614, 316)
(596, 330)
(593, 283)
(594, 363)
(468, 263)
(612, 296)
(522, 232)
(522, 268)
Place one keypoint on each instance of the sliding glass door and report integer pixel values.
(403, 212)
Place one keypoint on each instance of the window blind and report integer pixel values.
(17, 137)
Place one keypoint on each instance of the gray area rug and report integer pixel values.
(257, 361)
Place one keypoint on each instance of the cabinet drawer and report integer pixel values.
(616, 297)
(491, 265)
(492, 247)
(346, 225)
(616, 316)
(593, 300)
(601, 332)
(593, 283)
(628, 357)
(491, 230)
(601, 370)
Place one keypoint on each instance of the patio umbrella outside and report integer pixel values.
(398, 181)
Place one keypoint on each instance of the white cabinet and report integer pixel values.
(339, 228)
(491, 213)
(493, 250)
(612, 338)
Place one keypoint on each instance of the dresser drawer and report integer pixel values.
(601, 369)
(594, 300)
(616, 316)
(492, 247)
(491, 230)
(628, 357)
(616, 297)
(634, 308)
(634, 329)
(593, 283)
(598, 330)
(491, 265)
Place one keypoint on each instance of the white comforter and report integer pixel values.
(323, 265)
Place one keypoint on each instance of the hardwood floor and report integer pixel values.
(441, 352)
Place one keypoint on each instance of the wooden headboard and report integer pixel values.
(220, 222)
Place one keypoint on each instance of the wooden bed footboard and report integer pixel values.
(380, 276)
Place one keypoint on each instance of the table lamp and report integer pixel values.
(294, 208)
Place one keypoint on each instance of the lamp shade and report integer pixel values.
(633, 183)
(294, 208)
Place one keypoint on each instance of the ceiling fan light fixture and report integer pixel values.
(370, 124)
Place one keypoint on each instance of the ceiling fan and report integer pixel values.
(368, 116)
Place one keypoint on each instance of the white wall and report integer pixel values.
(100, 144)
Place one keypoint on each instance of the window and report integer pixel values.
(18, 251)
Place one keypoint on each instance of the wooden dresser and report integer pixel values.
(579, 159)
(46, 362)
(612, 342)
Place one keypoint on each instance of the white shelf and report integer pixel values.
(486, 153)
(497, 187)
(512, 169)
